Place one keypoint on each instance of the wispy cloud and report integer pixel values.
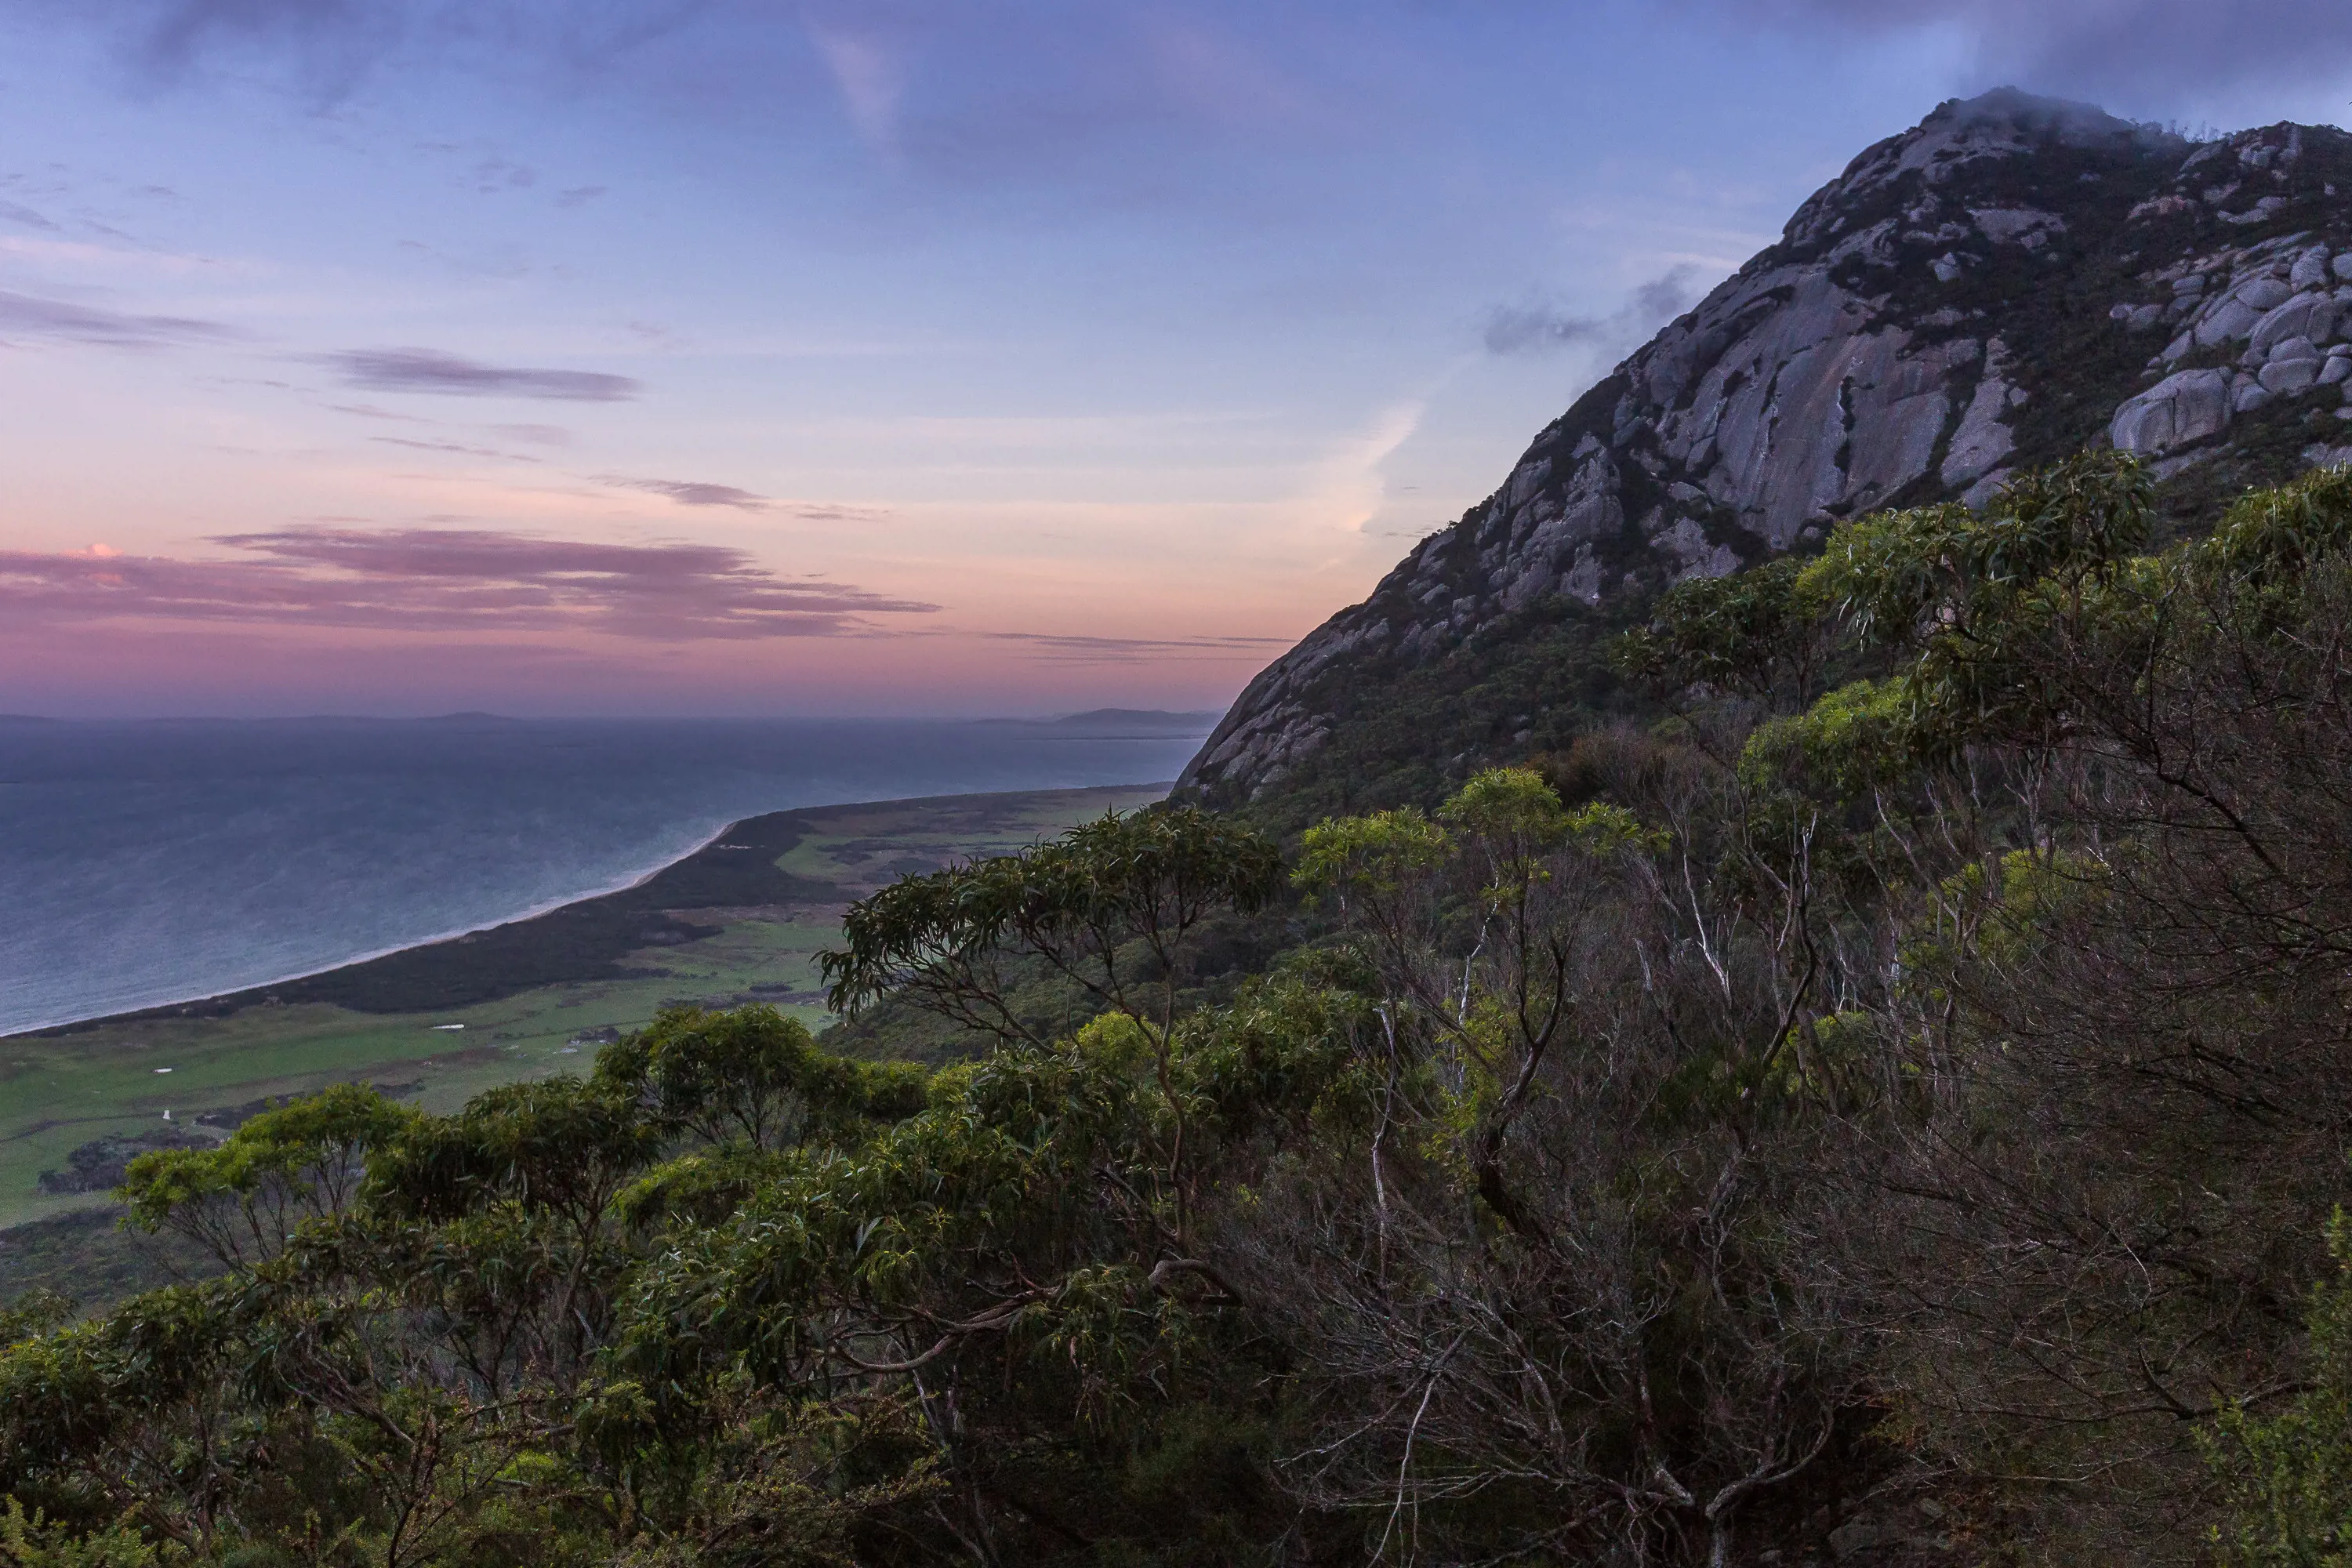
(459, 448)
(446, 580)
(1534, 327)
(690, 492)
(871, 76)
(433, 370)
(702, 492)
(57, 321)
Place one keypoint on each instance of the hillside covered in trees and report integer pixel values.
(1882, 1100)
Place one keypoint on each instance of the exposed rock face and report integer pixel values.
(1983, 291)
(2178, 411)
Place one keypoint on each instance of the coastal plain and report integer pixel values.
(742, 920)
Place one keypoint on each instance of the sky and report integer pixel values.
(876, 356)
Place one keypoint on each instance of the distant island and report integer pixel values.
(1155, 720)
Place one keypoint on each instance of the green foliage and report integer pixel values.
(1899, 577)
(752, 1076)
(244, 1199)
(561, 1146)
(1079, 903)
(37, 1311)
(2289, 1473)
(1369, 856)
(1853, 738)
(1752, 632)
(27, 1542)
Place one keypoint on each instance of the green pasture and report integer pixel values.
(64, 1089)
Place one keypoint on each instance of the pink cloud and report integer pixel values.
(446, 580)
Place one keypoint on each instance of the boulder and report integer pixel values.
(2264, 293)
(2028, 227)
(2337, 368)
(2310, 316)
(2342, 266)
(2285, 376)
(2247, 394)
(2228, 317)
(2310, 268)
(2186, 406)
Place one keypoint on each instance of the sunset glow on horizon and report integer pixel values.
(889, 359)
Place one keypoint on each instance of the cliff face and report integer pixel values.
(2011, 279)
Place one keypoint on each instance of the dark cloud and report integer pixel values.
(1519, 329)
(2130, 46)
(446, 580)
(334, 42)
(690, 492)
(431, 369)
(334, 45)
(1537, 327)
(23, 315)
(579, 195)
(1066, 649)
(489, 176)
(25, 217)
(702, 492)
(831, 511)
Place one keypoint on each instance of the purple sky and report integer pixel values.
(890, 357)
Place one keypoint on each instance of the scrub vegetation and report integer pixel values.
(1884, 1096)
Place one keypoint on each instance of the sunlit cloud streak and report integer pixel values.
(446, 580)
(433, 370)
(57, 321)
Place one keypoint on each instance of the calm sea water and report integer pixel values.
(153, 862)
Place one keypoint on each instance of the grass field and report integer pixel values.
(64, 1087)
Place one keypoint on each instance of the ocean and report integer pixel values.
(150, 862)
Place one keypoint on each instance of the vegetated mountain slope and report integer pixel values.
(2012, 279)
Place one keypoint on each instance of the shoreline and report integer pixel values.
(171, 1005)
(221, 1003)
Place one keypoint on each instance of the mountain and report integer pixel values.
(2012, 279)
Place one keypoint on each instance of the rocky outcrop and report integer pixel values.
(2176, 412)
(1986, 290)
